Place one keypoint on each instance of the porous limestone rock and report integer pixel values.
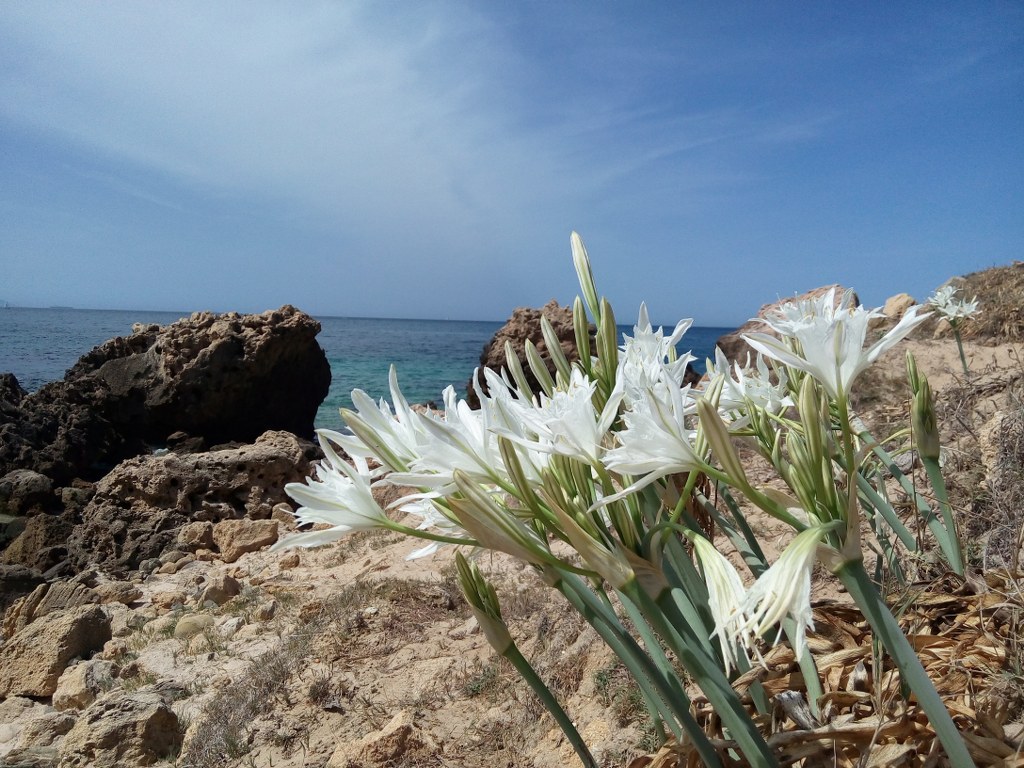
(523, 325)
(122, 729)
(236, 537)
(140, 507)
(401, 740)
(219, 589)
(218, 377)
(82, 683)
(32, 661)
(44, 599)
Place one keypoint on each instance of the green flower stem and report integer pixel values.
(948, 540)
(809, 670)
(524, 668)
(706, 673)
(883, 507)
(943, 530)
(960, 349)
(660, 687)
(884, 624)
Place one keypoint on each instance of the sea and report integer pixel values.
(39, 345)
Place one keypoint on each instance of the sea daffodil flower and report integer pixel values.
(339, 495)
(827, 341)
(782, 590)
(955, 310)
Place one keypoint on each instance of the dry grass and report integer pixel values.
(1000, 292)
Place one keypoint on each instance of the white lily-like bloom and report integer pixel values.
(396, 433)
(725, 598)
(567, 423)
(339, 495)
(656, 441)
(955, 310)
(645, 359)
(457, 439)
(431, 519)
(783, 590)
(743, 387)
(827, 341)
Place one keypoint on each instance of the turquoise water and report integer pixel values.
(39, 345)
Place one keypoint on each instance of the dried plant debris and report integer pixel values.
(967, 635)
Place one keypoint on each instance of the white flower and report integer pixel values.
(954, 310)
(725, 597)
(567, 423)
(339, 495)
(827, 341)
(656, 441)
(748, 387)
(783, 590)
(647, 358)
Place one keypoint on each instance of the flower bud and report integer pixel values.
(923, 421)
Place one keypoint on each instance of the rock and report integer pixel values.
(220, 589)
(288, 561)
(81, 684)
(23, 489)
(215, 377)
(123, 592)
(122, 729)
(523, 325)
(46, 599)
(15, 581)
(140, 509)
(32, 661)
(195, 536)
(192, 625)
(42, 544)
(11, 392)
(28, 730)
(896, 306)
(733, 345)
(231, 626)
(236, 537)
(265, 611)
(400, 741)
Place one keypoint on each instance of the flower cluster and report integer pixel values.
(954, 310)
(608, 458)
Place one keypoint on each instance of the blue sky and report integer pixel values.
(430, 159)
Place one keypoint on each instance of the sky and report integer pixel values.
(430, 159)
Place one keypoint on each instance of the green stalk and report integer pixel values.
(706, 673)
(949, 541)
(960, 348)
(550, 703)
(661, 688)
(884, 624)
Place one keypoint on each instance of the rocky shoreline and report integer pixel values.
(138, 498)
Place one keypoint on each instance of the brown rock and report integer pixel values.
(220, 589)
(146, 505)
(401, 740)
(216, 377)
(123, 592)
(523, 325)
(23, 489)
(122, 729)
(32, 661)
(44, 599)
(288, 561)
(897, 306)
(236, 537)
(733, 345)
(197, 535)
(82, 683)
